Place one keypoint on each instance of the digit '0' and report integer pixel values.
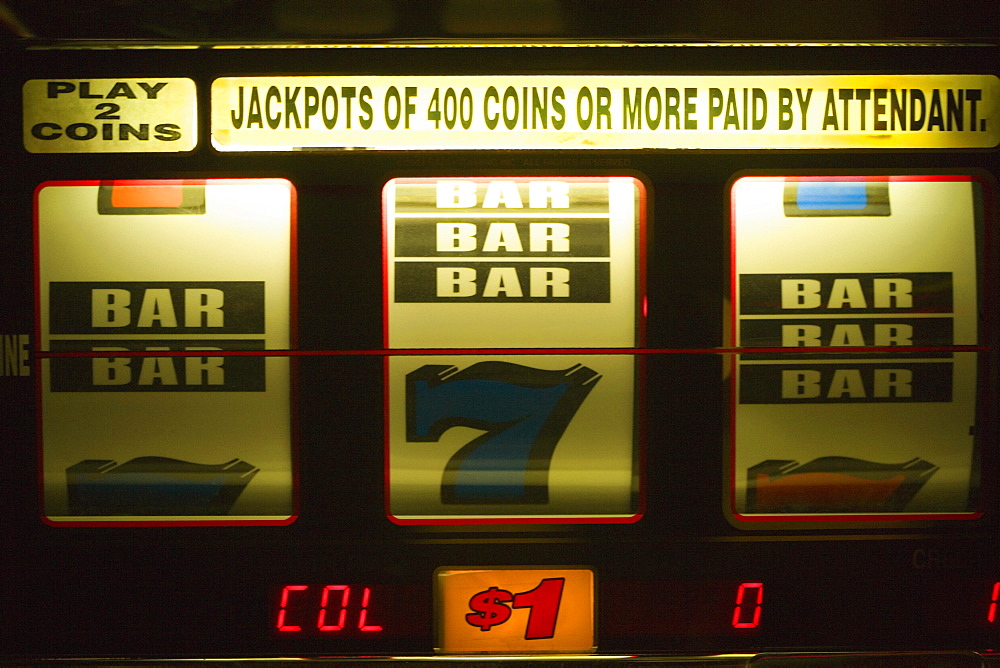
(345, 596)
(740, 620)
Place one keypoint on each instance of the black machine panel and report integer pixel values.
(499, 350)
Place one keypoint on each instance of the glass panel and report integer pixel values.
(877, 277)
(500, 264)
(175, 267)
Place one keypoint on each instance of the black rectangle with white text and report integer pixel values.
(918, 292)
(496, 282)
(862, 382)
(212, 373)
(161, 307)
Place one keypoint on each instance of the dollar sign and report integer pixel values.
(490, 608)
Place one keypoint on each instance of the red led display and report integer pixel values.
(721, 608)
(381, 613)
(956, 605)
(335, 606)
(991, 616)
(350, 611)
(283, 609)
(749, 597)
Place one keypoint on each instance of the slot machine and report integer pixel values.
(475, 351)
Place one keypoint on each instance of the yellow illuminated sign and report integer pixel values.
(606, 112)
(152, 115)
(515, 611)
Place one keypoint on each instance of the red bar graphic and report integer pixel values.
(164, 194)
(834, 485)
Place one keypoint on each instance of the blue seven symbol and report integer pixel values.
(523, 410)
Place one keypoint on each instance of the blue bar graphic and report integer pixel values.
(832, 195)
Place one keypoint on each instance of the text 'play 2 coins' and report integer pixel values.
(155, 115)
(518, 611)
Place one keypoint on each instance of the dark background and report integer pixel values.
(188, 592)
(319, 20)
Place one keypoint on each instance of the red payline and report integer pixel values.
(408, 352)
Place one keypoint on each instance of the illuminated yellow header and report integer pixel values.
(606, 112)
